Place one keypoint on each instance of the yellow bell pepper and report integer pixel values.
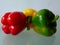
(29, 13)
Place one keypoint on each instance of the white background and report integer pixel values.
(30, 37)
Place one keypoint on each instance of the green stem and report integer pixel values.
(29, 20)
(56, 18)
(28, 28)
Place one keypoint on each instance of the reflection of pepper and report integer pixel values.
(29, 13)
(44, 22)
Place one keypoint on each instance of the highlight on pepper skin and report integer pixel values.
(13, 23)
(43, 22)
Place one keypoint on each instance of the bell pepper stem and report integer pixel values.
(29, 19)
(56, 18)
(28, 28)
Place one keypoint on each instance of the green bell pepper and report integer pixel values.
(44, 22)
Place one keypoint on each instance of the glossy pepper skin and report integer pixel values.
(13, 22)
(44, 22)
(5, 25)
(29, 12)
(17, 21)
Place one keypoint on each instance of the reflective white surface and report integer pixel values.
(29, 37)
